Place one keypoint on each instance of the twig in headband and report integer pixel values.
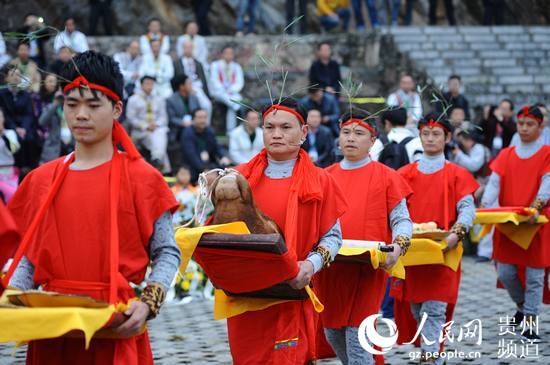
(285, 74)
(243, 105)
(292, 23)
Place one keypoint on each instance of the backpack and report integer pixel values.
(395, 154)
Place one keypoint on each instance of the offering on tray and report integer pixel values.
(429, 230)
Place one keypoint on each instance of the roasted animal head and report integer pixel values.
(233, 201)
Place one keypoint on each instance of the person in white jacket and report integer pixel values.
(154, 34)
(246, 140)
(71, 38)
(227, 81)
(159, 66)
(200, 50)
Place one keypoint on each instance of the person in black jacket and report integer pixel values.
(199, 147)
(499, 126)
(454, 98)
(36, 34)
(100, 9)
(319, 142)
(325, 72)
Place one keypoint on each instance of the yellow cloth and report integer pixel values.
(27, 324)
(512, 225)
(376, 258)
(327, 7)
(225, 306)
(424, 251)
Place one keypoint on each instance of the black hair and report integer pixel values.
(97, 68)
(29, 14)
(321, 44)
(455, 76)
(147, 77)
(248, 110)
(194, 112)
(22, 42)
(315, 109)
(178, 80)
(313, 89)
(154, 19)
(509, 101)
(186, 24)
(228, 45)
(541, 105)
(534, 110)
(291, 103)
(397, 116)
(5, 70)
(358, 113)
(440, 118)
(67, 18)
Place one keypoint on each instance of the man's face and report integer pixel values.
(506, 109)
(183, 176)
(155, 48)
(23, 52)
(317, 95)
(325, 52)
(433, 140)
(13, 77)
(200, 121)
(50, 83)
(187, 86)
(188, 49)
(90, 117)
(252, 119)
(228, 54)
(454, 86)
(192, 28)
(147, 86)
(314, 118)
(133, 49)
(283, 133)
(154, 26)
(355, 141)
(70, 26)
(65, 55)
(406, 84)
(457, 117)
(31, 20)
(528, 129)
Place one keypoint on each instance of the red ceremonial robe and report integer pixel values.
(519, 183)
(427, 203)
(353, 291)
(9, 236)
(305, 206)
(70, 251)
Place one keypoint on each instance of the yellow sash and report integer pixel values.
(424, 251)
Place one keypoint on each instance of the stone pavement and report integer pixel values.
(187, 334)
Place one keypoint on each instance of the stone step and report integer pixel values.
(474, 30)
(464, 62)
(495, 54)
(446, 38)
(485, 46)
(495, 62)
(508, 30)
(480, 38)
(523, 88)
(520, 46)
(524, 79)
(514, 38)
(501, 71)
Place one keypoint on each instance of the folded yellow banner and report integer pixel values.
(424, 251)
(512, 225)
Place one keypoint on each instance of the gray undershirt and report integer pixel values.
(465, 208)
(400, 220)
(524, 151)
(163, 250)
(332, 239)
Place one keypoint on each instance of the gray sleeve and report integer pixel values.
(466, 210)
(472, 162)
(400, 220)
(164, 252)
(492, 191)
(544, 189)
(23, 274)
(332, 241)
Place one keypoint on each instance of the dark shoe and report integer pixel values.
(530, 332)
(531, 336)
(518, 318)
(482, 259)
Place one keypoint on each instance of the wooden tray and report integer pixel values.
(36, 298)
(432, 235)
(273, 243)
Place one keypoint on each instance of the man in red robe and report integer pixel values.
(93, 220)
(306, 203)
(8, 237)
(521, 177)
(377, 212)
(442, 193)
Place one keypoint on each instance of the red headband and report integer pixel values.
(361, 123)
(81, 81)
(432, 123)
(286, 109)
(119, 134)
(524, 113)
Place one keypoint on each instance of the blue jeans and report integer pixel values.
(247, 6)
(373, 6)
(329, 23)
